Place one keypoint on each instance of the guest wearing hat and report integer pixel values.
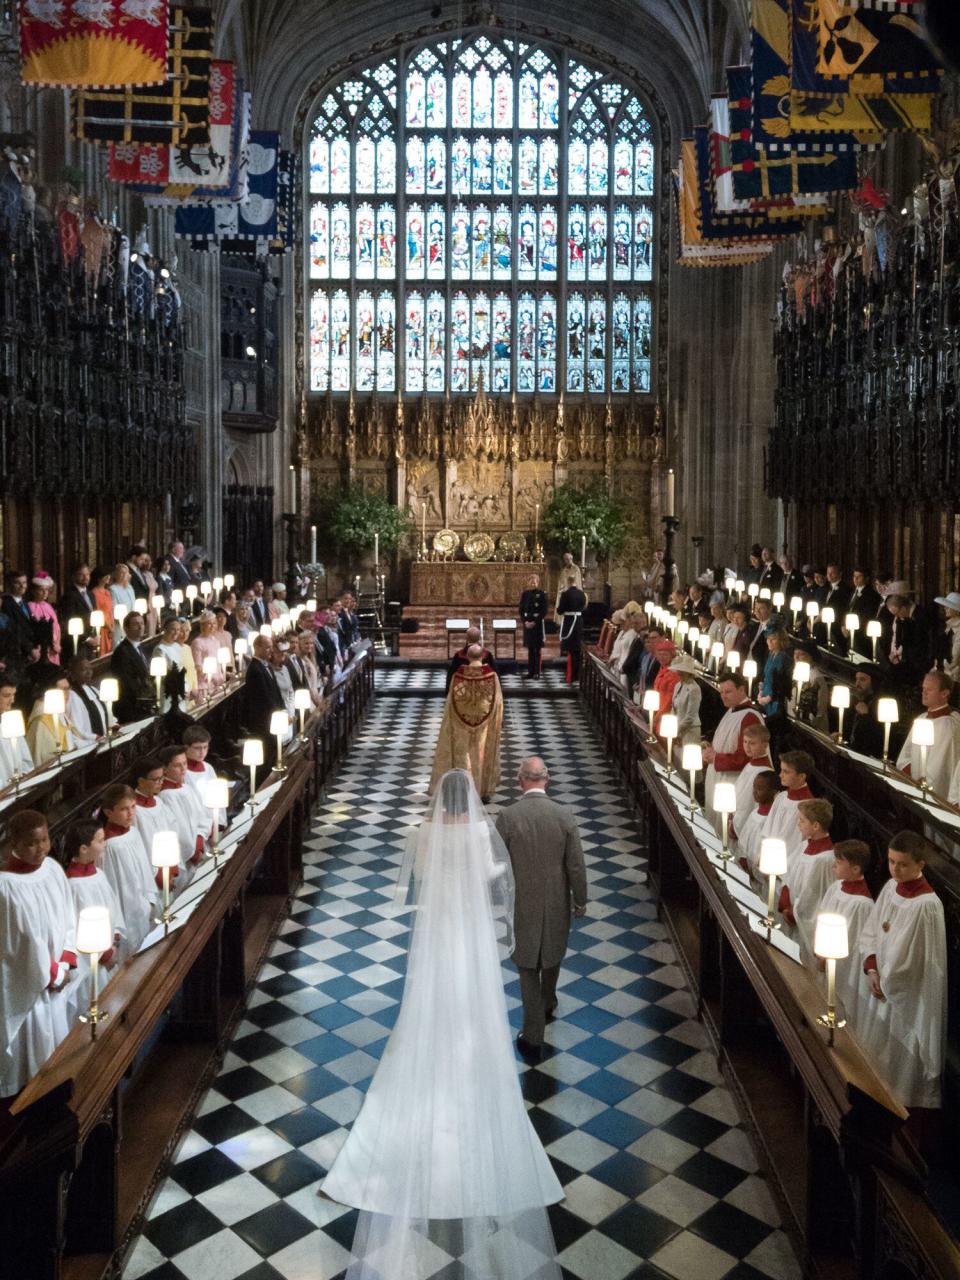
(278, 605)
(46, 624)
(686, 699)
(950, 642)
(664, 652)
(813, 704)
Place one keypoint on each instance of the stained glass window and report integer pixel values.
(492, 202)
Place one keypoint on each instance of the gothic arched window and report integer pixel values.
(481, 211)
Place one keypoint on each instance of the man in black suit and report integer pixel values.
(259, 613)
(533, 613)
(23, 638)
(129, 664)
(865, 602)
(179, 574)
(138, 559)
(348, 623)
(261, 694)
(76, 602)
(835, 595)
(771, 575)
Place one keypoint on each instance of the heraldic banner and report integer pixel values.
(93, 44)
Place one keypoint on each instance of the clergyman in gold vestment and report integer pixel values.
(472, 721)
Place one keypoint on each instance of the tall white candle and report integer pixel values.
(583, 552)
(670, 492)
(313, 544)
(376, 548)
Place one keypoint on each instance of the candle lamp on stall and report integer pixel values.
(801, 676)
(888, 713)
(828, 617)
(669, 727)
(55, 706)
(223, 660)
(191, 594)
(753, 591)
(216, 798)
(210, 667)
(796, 604)
(851, 624)
(778, 600)
(240, 652)
(302, 702)
(874, 631)
(217, 585)
(691, 761)
(813, 613)
(157, 603)
(120, 611)
(12, 730)
(716, 655)
(703, 644)
(205, 590)
(229, 581)
(651, 705)
(252, 759)
(279, 724)
(94, 937)
(140, 606)
(733, 660)
(773, 863)
(158, 669)
(109, 694)
(922, 735)
(164, 856)
(725, 803)
(97, 623)
(831, 943)
(176, 598)
(75, 630)
(750, 674)
(764, 593)
(741, 586)
(840, 701)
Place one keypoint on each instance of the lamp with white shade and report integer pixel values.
(669, 727)
(733, 660)
(120, 611)
(750, 674)
(801, 676)
(279, 724)
(240, 652)
(165, 855)
(828, 617)
(217, 585)
(773, 863)
(831, 943)
(109, 694)
(741, 586)
(210, 667)
(97, 622)
(157, 603)
(753, 591)
(851, 624)
(302, 702)
(13, 730)
(888, 713)
(267, 631)
(874, 632)
(229, 581)
(205, 591)
(923, 735)
(311, 604)
(691, 761)
(94, 937)
(779, 599)
(158, 669)
(812, 611)
(651, 705)
(648, 607)
(216, 797)
(140, 606)
(54, 706)
(716, 655)
(764, 593)
(252, 759)
(191, 592)
(223, 659)
(725, 803)
(75, 630)
(703, 644)
(176, 597)
(796, 604)
(840, 701)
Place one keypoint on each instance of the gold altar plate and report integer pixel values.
(479, 547)
(445, 542)
(512, 545)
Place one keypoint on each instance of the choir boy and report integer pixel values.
(849, 896)
(809, 875)
(126, 864)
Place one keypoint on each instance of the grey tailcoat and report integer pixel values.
(544, 846)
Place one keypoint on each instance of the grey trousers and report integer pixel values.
(538, 990)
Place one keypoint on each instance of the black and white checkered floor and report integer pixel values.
(403, 679)
(660, 1178)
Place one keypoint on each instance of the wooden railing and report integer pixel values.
(88, 1139)
(824, 1118)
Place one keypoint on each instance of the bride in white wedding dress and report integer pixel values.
(443, 1152)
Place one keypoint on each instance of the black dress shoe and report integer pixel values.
(551, 1013)
(529, 1052)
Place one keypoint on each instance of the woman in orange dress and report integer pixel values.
(104, 601)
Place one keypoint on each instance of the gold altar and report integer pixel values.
(462, 584)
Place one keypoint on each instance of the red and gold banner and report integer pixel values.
(93, 44)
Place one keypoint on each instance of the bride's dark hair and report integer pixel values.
(455, 795)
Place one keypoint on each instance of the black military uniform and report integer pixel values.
(571, 605)
(533, 611)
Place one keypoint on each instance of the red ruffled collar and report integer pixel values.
(196, 766)
(858, 888)
(800, 793)
(80, 870)
(111, 830)
(823, 845)
(914, 888)
(765, 763)
(145, 802)
(20, 867)
(764, 809)
(168, 785)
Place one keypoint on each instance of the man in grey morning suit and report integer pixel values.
(544, 846)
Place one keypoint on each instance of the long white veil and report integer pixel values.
(443, 1155)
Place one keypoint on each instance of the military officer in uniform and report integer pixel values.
(570, 607)
(533, 611)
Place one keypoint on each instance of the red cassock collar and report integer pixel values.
(939, 712)
(169, 785)
(195, 766)
(764, 809)
(19, 867)
(80, 870)
(914, 888)
(145, 802)
(859, 888)
(823, 845)
(800, 793)
(765, 763)
(111, 831)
